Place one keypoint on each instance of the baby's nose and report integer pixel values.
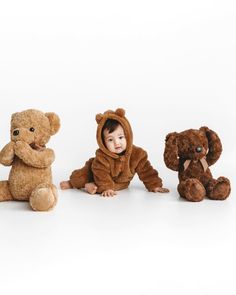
(16, 132)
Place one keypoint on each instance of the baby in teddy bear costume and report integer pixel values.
(30, 177)
(116, 161)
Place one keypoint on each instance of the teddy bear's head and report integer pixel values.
(192, 144)
(34, 127)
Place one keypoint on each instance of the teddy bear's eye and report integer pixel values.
(32, 129)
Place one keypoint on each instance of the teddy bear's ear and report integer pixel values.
(54, 122)
(99, 118)
(120, 112)
(173, 136)
(13, 116)
(214, 145)
(171, 151)
(204, 129)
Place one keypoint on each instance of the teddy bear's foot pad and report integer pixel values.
(219, 189)
(192, 190)
(43, 198)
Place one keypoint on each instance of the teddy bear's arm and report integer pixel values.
(214, 145)
(7, 154)
(34, 158)
(171, 152)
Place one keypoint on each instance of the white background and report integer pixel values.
(172, 66)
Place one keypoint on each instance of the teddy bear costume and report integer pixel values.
(112, 171)
(30, 177)
(191, 152)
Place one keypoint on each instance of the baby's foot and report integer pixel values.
(91, 188)
(65, 185)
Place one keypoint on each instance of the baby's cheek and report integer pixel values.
(109, 146)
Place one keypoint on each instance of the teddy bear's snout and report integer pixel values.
(23, 134)
(198, 149)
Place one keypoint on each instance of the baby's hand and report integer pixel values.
(109, 193)
(160, 190)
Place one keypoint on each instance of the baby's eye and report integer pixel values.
(121, 137)
(110, 139)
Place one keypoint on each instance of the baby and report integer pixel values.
(116, 161)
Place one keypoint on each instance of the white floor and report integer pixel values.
(135, 243)
(171, 66)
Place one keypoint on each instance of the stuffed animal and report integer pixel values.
(191, 152)
(30, 176)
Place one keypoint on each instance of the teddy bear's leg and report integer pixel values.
(43, 197)
(218, 189)
(5, 194)
(192, 190)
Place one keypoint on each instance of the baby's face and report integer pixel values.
(115, 141)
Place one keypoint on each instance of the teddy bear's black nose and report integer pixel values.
(16, 132)
(198, 149)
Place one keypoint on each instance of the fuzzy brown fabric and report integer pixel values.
(190, 153)
(30, 177)
(111, 171)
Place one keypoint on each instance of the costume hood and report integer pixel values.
(118, 115)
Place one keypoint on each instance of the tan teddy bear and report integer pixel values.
(30, 177)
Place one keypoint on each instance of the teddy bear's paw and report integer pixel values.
(219, 189)
(43, 198)
(192, 190)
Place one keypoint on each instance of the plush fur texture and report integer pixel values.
(111, 171)
(30, 177)
(191, 152)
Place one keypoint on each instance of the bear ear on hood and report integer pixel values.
(99, 118)
(120, 112)
(54, 122)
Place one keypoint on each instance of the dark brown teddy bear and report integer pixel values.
(190, 153)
